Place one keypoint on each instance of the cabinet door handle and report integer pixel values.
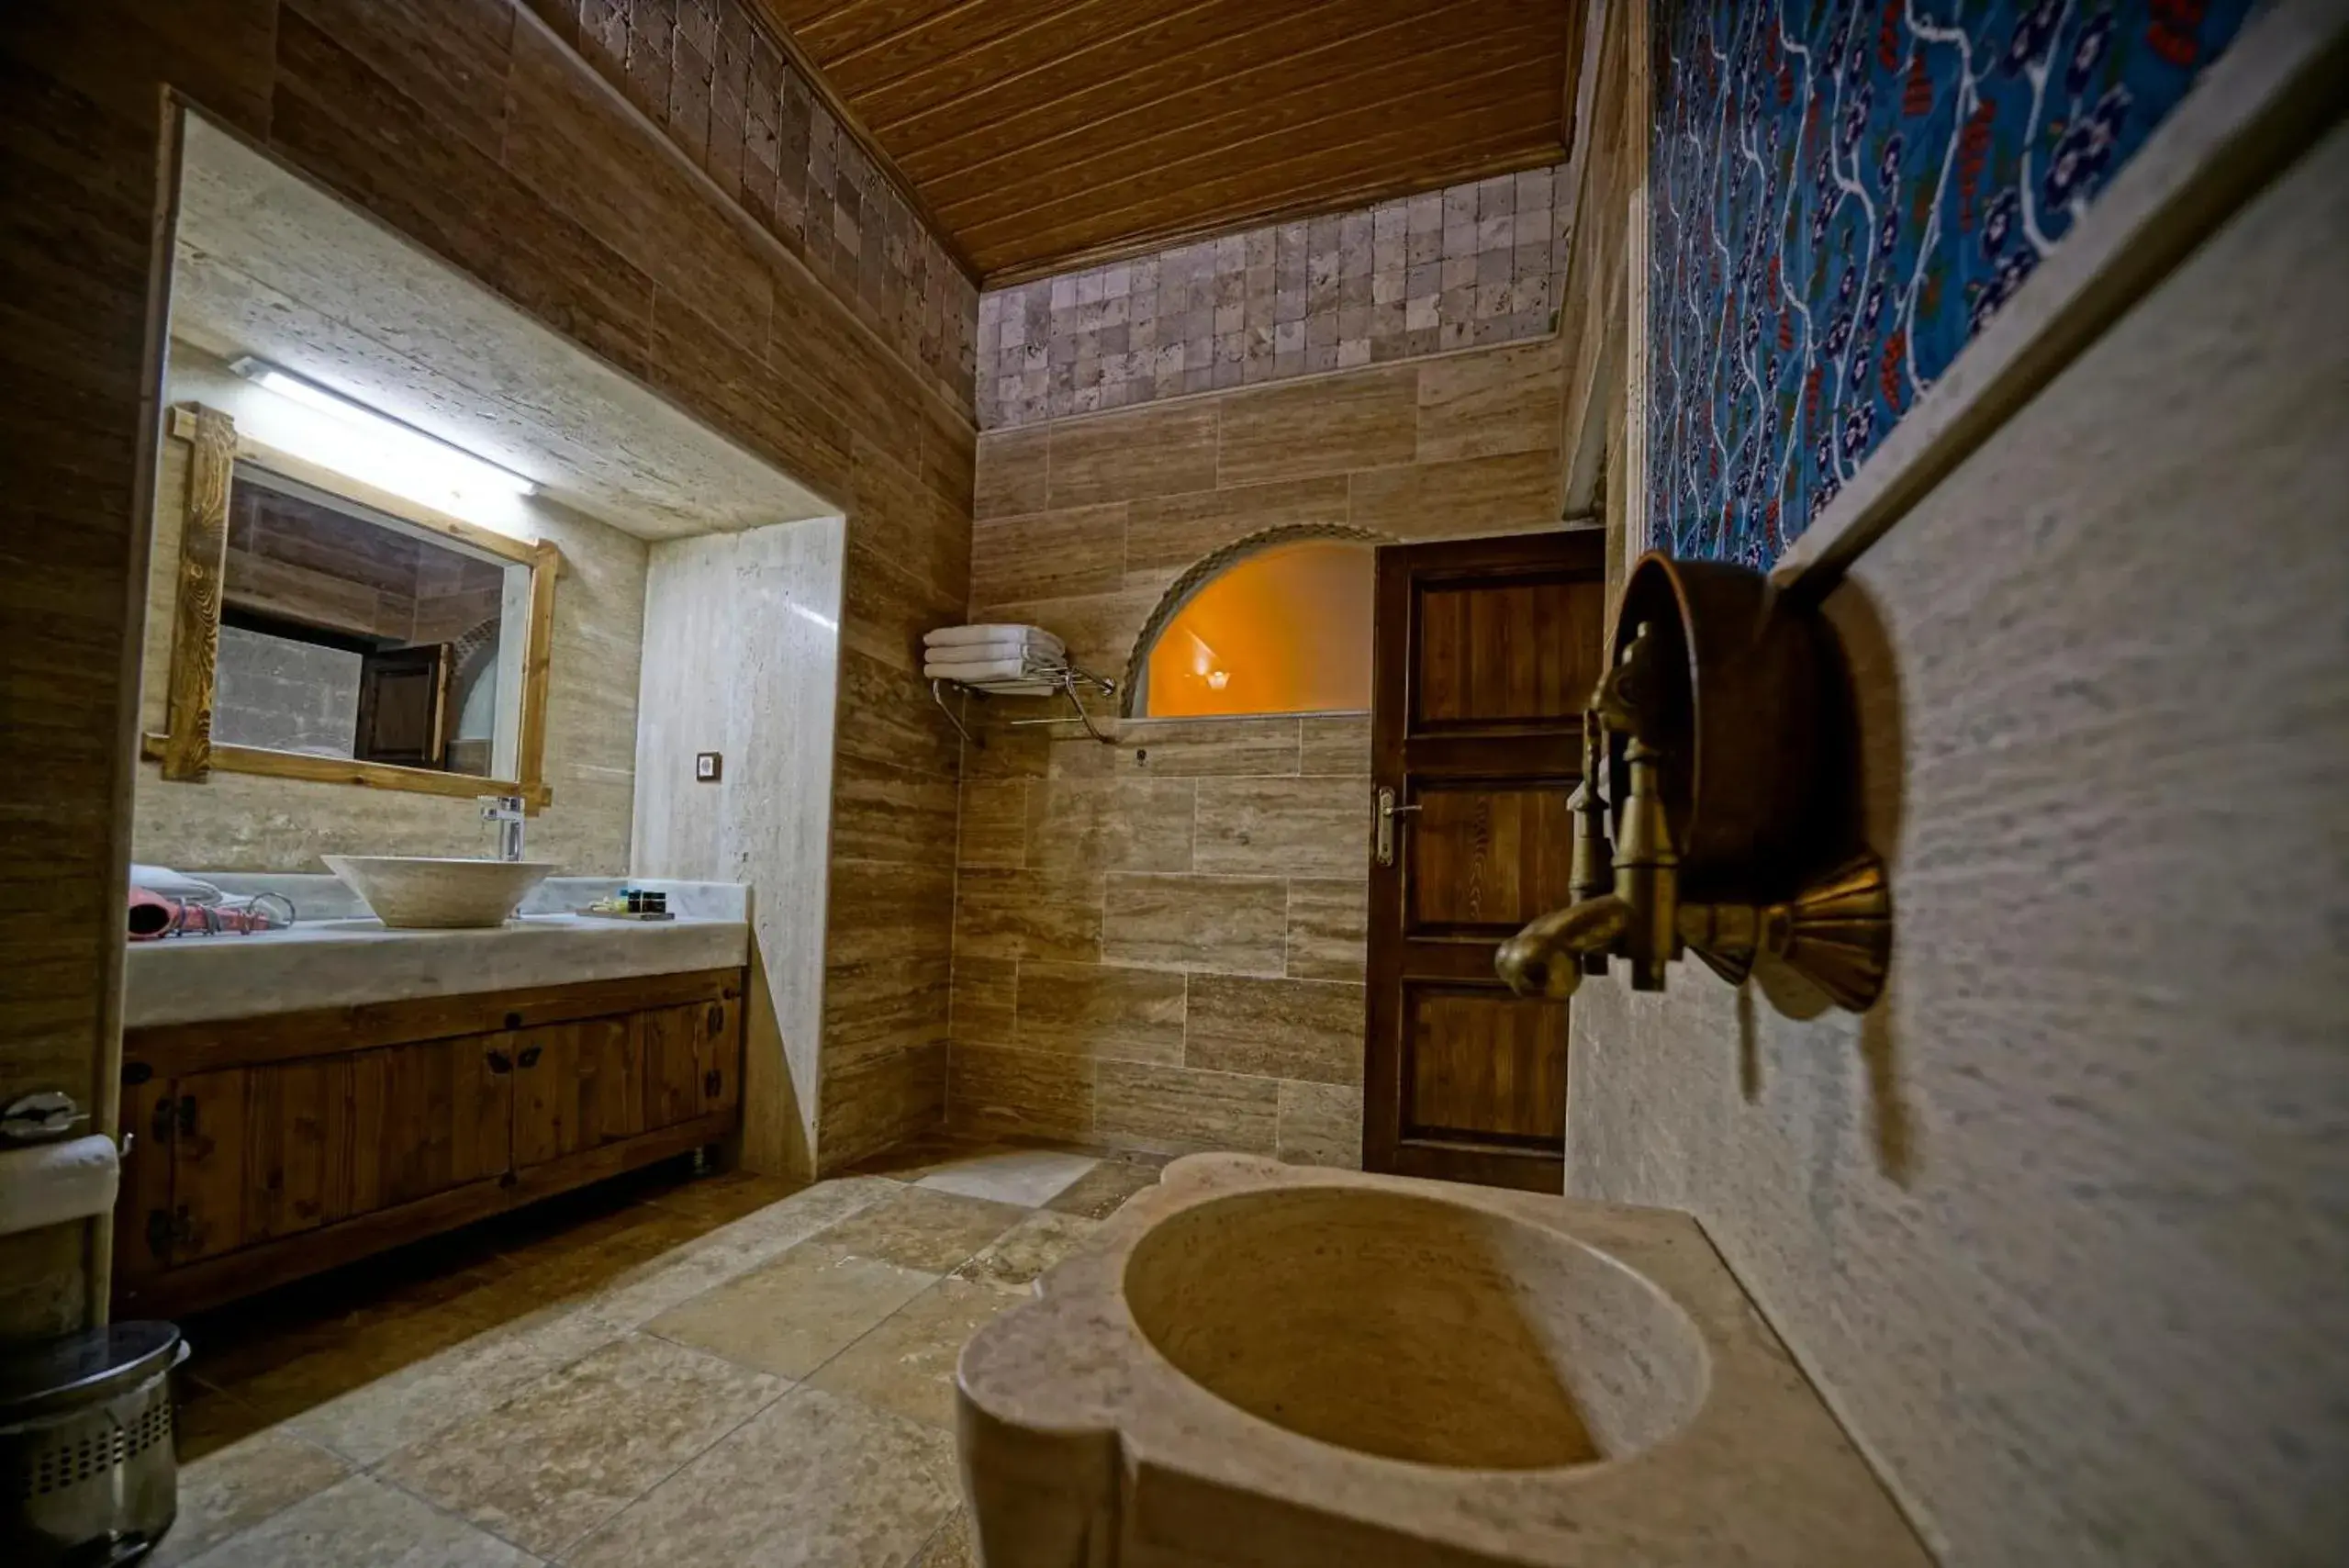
(712, 1083)
(717, 1018)
(500, 1062)
(528, 1056)
(187, 1116)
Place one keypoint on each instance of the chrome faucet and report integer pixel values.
(506, 812)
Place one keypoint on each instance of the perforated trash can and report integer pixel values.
(87, 1472)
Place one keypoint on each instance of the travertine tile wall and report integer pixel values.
(1473, 265)
(1159, 944)
(709, 72)
(485, 139)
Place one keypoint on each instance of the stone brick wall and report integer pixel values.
(1159, 944)
(1474, 265)
(709, 74)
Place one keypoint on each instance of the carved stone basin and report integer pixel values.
(1399, 1326)
(421, 892)
(1261, 1364)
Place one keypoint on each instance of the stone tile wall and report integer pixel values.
(488, 140)
(1473, 265)
(709, 74)
(1159, 944)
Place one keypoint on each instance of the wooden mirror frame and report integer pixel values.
(186, 747)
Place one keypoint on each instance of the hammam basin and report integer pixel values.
(1256, 1363)
(421, 892)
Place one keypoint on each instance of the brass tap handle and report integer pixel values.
(1625, 697)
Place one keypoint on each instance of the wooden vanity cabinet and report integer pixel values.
(266, 1148)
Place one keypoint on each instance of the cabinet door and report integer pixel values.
(429, 1116)
(297, 1147)
(575, 1086)
(692, 1060)
(208, 1158)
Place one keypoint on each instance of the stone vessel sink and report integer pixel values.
(420, 893)
(1263, 1364)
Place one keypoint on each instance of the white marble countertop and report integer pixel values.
(341, 962)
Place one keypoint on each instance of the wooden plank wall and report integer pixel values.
(468, 127)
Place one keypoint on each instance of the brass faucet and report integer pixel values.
(1627, 900)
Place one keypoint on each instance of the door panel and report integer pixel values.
(297, 1147)
(692, 1060)
(610, 1085)
(1484, 1065)
(1512, 648)
(208, 1165)
(430, 1116)
(575, 1086)
(717, 1051)
(1487, 650)
(672, 1064)
(1485, 860)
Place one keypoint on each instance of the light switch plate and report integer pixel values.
(707, 767)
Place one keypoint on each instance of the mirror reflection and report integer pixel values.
(348, 632)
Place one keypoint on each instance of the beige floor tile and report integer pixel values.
(795, 1314)
(731, 1251)
(922, 1228)
(1029, 1177)
(238, 1486)
(356, 1357)
(373, 1421)
(363, 1523)
(907, 1364)
(1102, 1190)
(574, 1448)
(1027, 1249)
(814, 1481)
(955, 1545)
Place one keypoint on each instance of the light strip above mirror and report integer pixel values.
(388, 452)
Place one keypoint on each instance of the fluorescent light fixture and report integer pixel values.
(395, 455)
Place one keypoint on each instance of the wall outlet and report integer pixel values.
(707, 767)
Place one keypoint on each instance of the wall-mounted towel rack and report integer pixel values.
(1061, 680)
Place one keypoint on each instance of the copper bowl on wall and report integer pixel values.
(1745, 715)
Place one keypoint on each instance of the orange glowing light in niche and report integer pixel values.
(1287, 631)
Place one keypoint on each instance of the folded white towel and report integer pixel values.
(991, 633)
(1007, 648)
(975, 670)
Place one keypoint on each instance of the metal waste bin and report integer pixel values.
(88, 1476)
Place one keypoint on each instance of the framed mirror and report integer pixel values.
(327, 631)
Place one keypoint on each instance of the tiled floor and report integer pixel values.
(662, 1371)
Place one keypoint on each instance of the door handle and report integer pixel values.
(1387, 814)
(528, 1056)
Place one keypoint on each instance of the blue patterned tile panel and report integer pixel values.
(1844, 193)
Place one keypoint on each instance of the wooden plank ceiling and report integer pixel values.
(1045, 134)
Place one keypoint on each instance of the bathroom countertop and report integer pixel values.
(340, 963)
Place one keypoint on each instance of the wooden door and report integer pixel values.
(692, 1060)
(1487, 650)
(403, 706)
